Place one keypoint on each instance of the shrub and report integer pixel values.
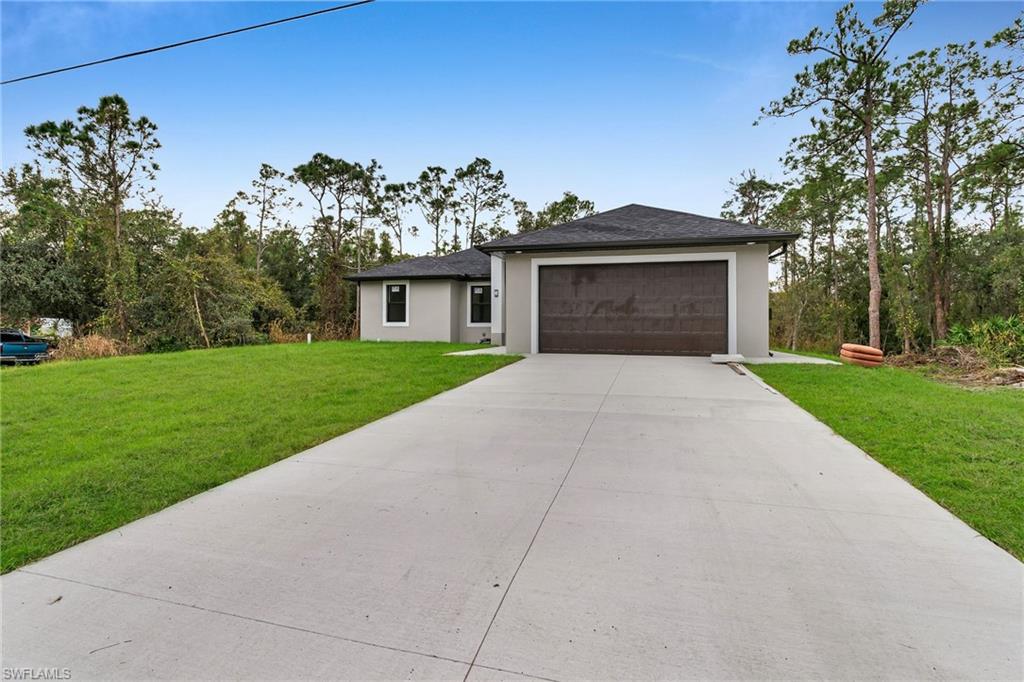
(999, 339)
(164, 343)
(85, 347)
(277, 334)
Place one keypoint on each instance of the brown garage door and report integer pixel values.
(643, 308)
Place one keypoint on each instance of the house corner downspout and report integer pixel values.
(781, 252)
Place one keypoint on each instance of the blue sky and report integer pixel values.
(620, 102)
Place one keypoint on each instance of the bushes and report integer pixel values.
(999, 339)
(86, 347)
(277, 334)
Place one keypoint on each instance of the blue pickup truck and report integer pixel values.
(16, 347)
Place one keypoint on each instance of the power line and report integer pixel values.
(138, 53)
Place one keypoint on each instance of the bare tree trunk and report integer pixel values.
(834, 278)
(796, 326)
(934, 248)
(120, 307)
(940, 323)
(814, 240)
(874, 278)
(263, 219)
(199, 316)
(359, 264)
(947, 247)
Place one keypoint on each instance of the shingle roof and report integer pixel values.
(633, 225)
(467, 264)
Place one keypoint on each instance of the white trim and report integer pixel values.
(535, 263)
(384, 303)
(469, 303)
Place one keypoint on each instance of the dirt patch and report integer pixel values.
(960, 365)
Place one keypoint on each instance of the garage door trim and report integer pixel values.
(536, 263)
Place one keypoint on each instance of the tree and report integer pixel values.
(51, 263)
(434, 193)
(335, 186)
(851, 87)
(267, 200)
(482, 193)
(1005, 90)
(288, 262)
(996, 184)
(751, 199)
(570, 207)
(946, 135)
(206, 300)
(368, 188)
(109, 156)
(232, 237)
(392, 205)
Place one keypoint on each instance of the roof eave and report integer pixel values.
(384, 278)
(777, 237)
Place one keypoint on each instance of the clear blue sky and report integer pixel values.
(620, 102)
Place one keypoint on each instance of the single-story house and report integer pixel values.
(635, 279)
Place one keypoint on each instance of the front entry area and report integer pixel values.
(651, 308)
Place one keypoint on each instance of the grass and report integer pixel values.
(963, 448)
(89, 446)
(808, 353)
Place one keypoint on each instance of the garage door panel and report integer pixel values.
(677, 308)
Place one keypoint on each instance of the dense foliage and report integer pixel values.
(999, 339)
(906, 187)
(86, 239)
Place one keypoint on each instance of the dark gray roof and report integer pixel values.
(468, 264)
(635, 225)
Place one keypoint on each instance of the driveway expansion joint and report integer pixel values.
(543, 518)
(262, 621)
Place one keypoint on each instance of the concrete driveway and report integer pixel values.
(565, 517)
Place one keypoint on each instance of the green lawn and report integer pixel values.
(963, 448)
(808, 353)
(89, 446)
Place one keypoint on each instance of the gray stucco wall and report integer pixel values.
(431, 303)
(463, 332)
(751, 293)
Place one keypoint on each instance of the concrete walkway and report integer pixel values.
(565, 517)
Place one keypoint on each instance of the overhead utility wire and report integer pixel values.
(191, 41)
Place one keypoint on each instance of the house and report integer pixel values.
(635, 279)
(429, 298)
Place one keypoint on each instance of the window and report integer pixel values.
(396, 303)
(10, 337)
(479, 304)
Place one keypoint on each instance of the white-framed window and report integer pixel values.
(395, 303)
(478, 304)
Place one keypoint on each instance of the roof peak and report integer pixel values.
(637, 224)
